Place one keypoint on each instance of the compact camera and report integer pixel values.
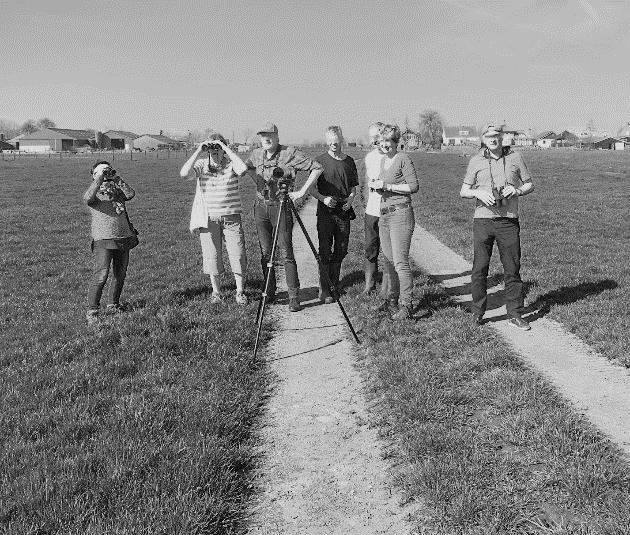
(210, 146)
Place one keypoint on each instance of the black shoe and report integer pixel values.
(389, 305)
(519, 323)
(294, 304)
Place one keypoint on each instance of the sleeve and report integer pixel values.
(250, 164)
(471, 174)
(409, 174)
(301, 162)
(353, 178)
(525, 174)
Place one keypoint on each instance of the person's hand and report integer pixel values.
(509, 191)
(347, 205)
(296, 195)
(331, 202)
(376, 184)
(485, 197)
(99, 172)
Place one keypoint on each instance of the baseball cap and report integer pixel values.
(492, 129)
(268, 128)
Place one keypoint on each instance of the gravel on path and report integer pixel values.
(322, 471)
(594, 385)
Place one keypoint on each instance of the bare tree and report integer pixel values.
(28, 127)
(430, 128)
(9, 128)
(45, 122)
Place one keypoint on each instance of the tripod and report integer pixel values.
(284, 202)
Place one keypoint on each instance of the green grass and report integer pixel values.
(574, 231)
(149, 424)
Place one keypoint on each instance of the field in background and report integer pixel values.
(149, 425)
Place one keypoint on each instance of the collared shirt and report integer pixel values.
(486, 172)
(283, 157)
(373, 167)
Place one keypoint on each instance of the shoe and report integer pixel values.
(91, 317)
(328, 300)
(478, 319)
(241, 298)
(389, 305)
(294, 304)
(519, 323)
(216, 299)
(115, 308)
(404, 313)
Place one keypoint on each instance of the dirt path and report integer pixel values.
(323, 471)
(596, 387)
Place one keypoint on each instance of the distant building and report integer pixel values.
(547, 139)
(56, 139)
(513, 136)
(624, 131)
(155, 142)
(244, 148)
(460, 135)
(119, 139)
(5, 145)
(15, 141)
(409, 140)
(567, 139)
(608, 143)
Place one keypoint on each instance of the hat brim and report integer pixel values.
(492, 133)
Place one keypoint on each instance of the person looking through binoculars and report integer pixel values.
(335, 191)
(496, 178)
(216, 211)
(273, 167)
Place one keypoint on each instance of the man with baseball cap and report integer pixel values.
(496, 177)
(261, 164)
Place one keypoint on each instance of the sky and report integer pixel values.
(304, 65)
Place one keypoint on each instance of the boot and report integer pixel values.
(404, 313)
(271, 291)
(324, 284)
(335, 272)
(294, 300)
(388, 305)
(370, 269)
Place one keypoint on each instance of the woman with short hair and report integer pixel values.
(396, 183)
(216, 211)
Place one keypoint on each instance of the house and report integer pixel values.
(567, 139)
(460, 135)
(119, 140)
(56, 139)
(624, 131)
(155, 142)
(547, 139)
(409, 140)
(15, 141)
(243, 148)
(608, 143)
(513, 136)
(4, 145)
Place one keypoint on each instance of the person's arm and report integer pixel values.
(350, 199)
(238, 165)
(409, 176)
(331, 202)
(301, 162)
(312, 178)
(527, 185)
(125, 188)
(353, 182)
(89, 197)
(188, 166)
(468, 191)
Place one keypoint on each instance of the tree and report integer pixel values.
(9, 128)
(430, 128)
(45, 122)
(28, 127)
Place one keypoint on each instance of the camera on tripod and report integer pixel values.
(278, 181)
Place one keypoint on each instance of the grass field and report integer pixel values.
(150, 425)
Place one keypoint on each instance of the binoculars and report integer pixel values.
(210, 146)
(109, 173)
(498, 196)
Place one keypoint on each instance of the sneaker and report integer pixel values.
(115, 308)
(241, 298)
(294, 304)
(519, 323)
(216, 299)
(91, 317)
(404, 313)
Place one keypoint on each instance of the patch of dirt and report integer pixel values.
(323, 470)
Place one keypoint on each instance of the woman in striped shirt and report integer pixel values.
(216, 211)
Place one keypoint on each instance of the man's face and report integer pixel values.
(268, 141)
(334, 142)
(493, 141)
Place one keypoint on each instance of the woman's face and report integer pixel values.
(387, 146)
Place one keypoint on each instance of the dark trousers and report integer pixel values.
(506, 232)
(266, 215)
(372, 238)
(333, 233)
(119, 261)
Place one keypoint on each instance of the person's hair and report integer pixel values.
(99, 163)
(391, 132)
(216, 135)
(334, 130)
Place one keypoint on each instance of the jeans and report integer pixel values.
(372, 238)
(266, 215)
(102, 259)
(230, 228)
(333, 233)
(506, 232)
(396, 229)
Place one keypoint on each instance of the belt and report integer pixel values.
(260, 198)
(388, 209)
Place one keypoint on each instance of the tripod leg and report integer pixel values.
(270, 272)
(333, 290)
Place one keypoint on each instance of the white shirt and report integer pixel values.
(373, 168)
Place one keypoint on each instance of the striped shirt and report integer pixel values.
(219, 188)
